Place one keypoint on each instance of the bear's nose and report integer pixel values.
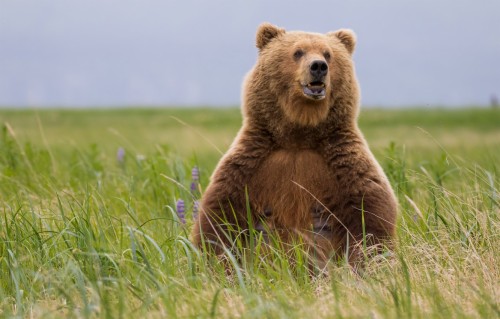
(318, 69)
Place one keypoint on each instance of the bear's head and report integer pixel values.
(302, 78)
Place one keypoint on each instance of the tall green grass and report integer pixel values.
(83, 234)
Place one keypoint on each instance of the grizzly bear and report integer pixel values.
(300, 164)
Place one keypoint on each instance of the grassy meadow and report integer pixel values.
(87, 232)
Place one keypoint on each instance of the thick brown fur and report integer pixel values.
(303, 164)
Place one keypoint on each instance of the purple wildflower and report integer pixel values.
(196, 208)
(180, 208)
(195, 179)
(120, 155)
(194, 188)
(195, 174)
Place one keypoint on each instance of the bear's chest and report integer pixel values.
(290, 186)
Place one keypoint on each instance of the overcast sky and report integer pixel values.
(184, 52)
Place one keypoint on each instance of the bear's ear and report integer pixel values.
(346, 37)
(266, 33)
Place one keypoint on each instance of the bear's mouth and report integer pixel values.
(315, 90)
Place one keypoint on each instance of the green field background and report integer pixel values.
(471, 134)
(85, 235)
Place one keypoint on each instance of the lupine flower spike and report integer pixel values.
(180, 208)
(120, 155)
(196, 208)
(195, 179)
(195, 174)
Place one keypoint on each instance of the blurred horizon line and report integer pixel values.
(226, 106)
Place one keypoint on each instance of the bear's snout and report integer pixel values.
(318, 69)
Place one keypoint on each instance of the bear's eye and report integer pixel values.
(298, 54)
(327, 56)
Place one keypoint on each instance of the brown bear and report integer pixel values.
(299, 162)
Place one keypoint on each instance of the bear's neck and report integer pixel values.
(287, 135)
(298, 137)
